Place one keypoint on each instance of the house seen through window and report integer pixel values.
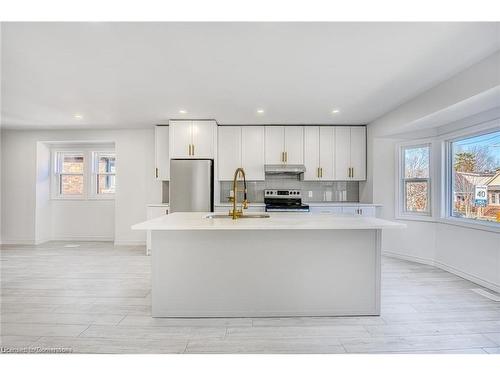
(475, 163)
(84, 174)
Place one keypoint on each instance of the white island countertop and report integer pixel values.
(276, 221)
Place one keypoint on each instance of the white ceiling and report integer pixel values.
(131, 75)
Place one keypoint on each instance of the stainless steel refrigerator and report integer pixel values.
(191, 185)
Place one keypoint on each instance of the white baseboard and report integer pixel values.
(446, 267)
(130, 243)
(18, 242)
(83, 238)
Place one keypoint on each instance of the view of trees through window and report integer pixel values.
(476, 177)
(416, 179)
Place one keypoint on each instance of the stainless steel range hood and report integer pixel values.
(287, 169)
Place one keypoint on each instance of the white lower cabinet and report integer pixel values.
(152, 213)
(363, 211)
(347, 210)
(325, 210)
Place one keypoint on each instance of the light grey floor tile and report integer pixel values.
(96, 299)
(29, 329)
(298, 332)
(411, 343)
(495, 350)
(147, 321)
(55, 318)
(17, 341)
(114, 346)
(129, 332)
(495, 337)
(268, 346)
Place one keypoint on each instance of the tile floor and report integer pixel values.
(95, 298)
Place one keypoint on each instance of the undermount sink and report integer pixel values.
(244, 216)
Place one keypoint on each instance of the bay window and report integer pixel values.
(83, 174)
(474, 177)
(415, 182)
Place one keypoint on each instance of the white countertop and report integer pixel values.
(313, 204)
(277, 221)
(158, 205)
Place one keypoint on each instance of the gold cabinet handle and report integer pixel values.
(321, 172)
(189, 149)
(352, 173)
(317, 172)
(193, 149)
(286, 156)
(156, 172)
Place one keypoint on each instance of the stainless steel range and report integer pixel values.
(284, 201)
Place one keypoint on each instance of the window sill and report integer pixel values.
(82, 199)
(471, 224)
(416, 217)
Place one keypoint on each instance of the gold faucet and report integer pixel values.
(234, 199)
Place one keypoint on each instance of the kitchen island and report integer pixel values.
(285, 265)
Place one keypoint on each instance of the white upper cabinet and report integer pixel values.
(319, 153)
(311, 153)
(180, 139)
(252, 152)
(229, 151)
(358, 153)
(241, 146)
(274, 144)
(350, 153)
(162, 159)
(294, 145)
(326, 152)
(342, 152)
(284, 144)
(192, 139)
(204, 139)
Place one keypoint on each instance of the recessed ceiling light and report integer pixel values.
(183, 111)
(260, 111)
(78, 116)
(336, 111)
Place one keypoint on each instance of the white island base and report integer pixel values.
(255, 273)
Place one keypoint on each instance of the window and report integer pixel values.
(474, 169)
(415, 180)
(84, 174)
(104, 173)
(70, 171)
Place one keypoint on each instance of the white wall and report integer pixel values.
(136, 186)
(83, 220)
(43, 207)
(470, 253)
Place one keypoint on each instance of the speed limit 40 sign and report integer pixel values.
(480, 196)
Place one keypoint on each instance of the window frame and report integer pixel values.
(447, 196)
(89, 177)
(93, 193)
(401, 211)
(56, 174)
